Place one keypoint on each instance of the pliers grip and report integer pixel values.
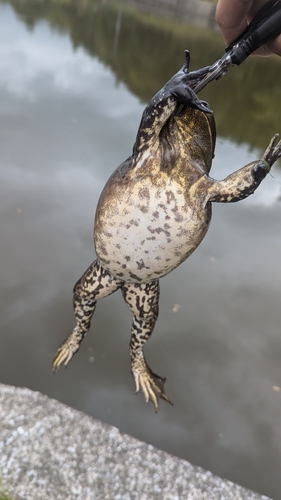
(265, 26)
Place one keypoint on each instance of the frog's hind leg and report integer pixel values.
(96, 283)
(143, 300)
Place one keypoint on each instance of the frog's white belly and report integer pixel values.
(148, 232)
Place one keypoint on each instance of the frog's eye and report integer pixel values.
(206, 104)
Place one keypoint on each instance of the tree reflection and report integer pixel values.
(144, 51)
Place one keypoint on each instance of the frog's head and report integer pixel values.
(181, 86)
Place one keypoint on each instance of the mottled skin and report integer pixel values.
(153, 213)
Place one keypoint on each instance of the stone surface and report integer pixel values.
(50, 451)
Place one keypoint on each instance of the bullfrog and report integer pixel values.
(153, 212)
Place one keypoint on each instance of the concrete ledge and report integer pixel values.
(50, 451)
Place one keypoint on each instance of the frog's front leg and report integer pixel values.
(96, 283)
(143, 300)
(245, 181)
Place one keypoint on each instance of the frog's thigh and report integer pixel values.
(96, 283)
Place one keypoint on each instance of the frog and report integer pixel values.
(153, 212)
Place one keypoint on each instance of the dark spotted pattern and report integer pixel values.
(153, 213)
(143, 301)
(240, 184)
(96, 283)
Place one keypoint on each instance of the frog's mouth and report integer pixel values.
(193, 102)
(187, 97)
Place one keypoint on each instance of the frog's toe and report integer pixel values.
(273, 151)
(65, 352)
(152, 385)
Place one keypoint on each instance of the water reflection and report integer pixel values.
(143, 52)
(68, 118)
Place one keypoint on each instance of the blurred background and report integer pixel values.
(74, 79)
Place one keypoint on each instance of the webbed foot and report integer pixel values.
(273, 151)
(152, 385)
(67, 349)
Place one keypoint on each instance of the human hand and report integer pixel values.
(233, 16)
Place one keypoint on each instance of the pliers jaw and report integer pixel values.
(216, 71)
(265, 26)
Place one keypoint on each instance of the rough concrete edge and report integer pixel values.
(113, 458)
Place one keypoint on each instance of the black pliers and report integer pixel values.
(265, 26)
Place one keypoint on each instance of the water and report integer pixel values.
(72, 89)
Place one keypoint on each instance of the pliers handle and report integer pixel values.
(265, 26)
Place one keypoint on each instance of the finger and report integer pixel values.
(275, 45)
(231, 18)
(272, 47)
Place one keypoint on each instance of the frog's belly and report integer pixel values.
(150, 234)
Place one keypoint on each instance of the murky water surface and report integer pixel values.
(73, 83)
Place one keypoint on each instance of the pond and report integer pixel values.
(74, 79)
